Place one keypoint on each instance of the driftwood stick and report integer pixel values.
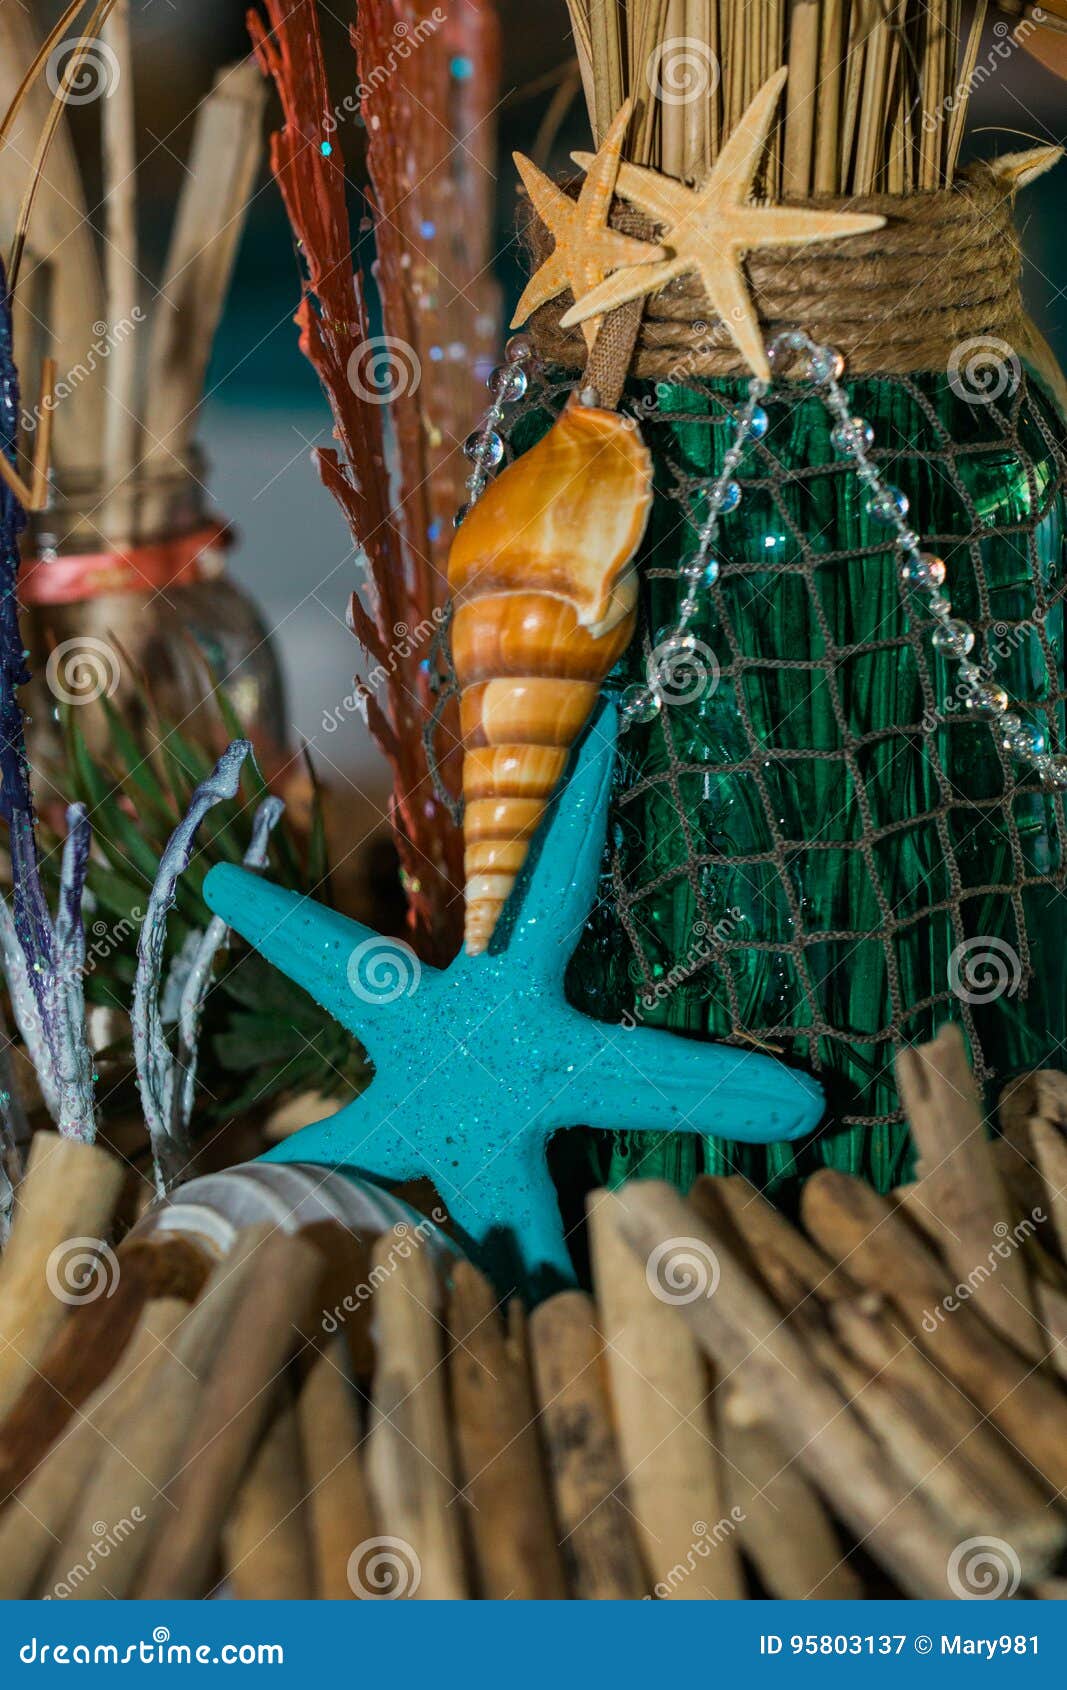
(87, 1347)
(226, 153)
(659, 1388)
(740, 1327)
(1034, 1114)
(946, 1447)
(500, 1461)
(34, 1521)
(338, 1505)
(63, 1209)
(939, 1094)
(265, 1542)
(268, 1323)
(146, 1442)
(784, 1528)
(121, 424)
(599, 1548)
(855, 1225)
(409, 1466)
(769, 1238)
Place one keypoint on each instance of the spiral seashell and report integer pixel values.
(545, 593)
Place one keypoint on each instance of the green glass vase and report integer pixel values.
(822, 852)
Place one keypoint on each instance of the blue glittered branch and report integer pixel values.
(198, 980)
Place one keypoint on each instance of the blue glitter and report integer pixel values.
(462, 68)
(479, 1064)
(326, 149)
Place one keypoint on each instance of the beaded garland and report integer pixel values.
(853, 437)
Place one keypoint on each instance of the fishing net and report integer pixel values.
(815, 848)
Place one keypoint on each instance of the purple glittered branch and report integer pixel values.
(156, 1067)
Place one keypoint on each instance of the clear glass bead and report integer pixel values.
(992, 697)
(758, 423)
(518, 349)
(1027, 740)
(826, 365)
(1055, 771)
(711, 571)
(486, 449)
(638, 704)
(508, 383)
(731, 498)
(1009, 725)
(915, 573)
(953, 637)
(940, 605)
(888, 505)
(854, 435)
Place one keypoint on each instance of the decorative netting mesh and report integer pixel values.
(815, 847)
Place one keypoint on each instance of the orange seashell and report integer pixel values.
(545, 592)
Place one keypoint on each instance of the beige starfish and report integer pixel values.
(586, 248)
(711, 229)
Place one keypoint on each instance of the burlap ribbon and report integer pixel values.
(943, 271)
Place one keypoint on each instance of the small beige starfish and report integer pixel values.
(586, 248)
(711, 229)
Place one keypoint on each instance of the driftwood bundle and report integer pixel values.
(867, 1404)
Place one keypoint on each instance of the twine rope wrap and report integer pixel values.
(944, 270)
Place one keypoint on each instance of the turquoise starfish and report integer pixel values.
(478, 1064)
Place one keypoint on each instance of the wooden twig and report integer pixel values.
(63, 1209)
(226, 153)
(338, 1504)
(856, 1226)
(801, 93)
(740, 1328)
(409, 1463)
(784, 1528)
(87, 1347)
(265, 1541)
(661, 1399)
(939, 1094)
(34, 1521)
(1034, 1112)
(501, 1466)
(121, 422)
(269, 1321)
(599, 1549)
(146, 1441)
